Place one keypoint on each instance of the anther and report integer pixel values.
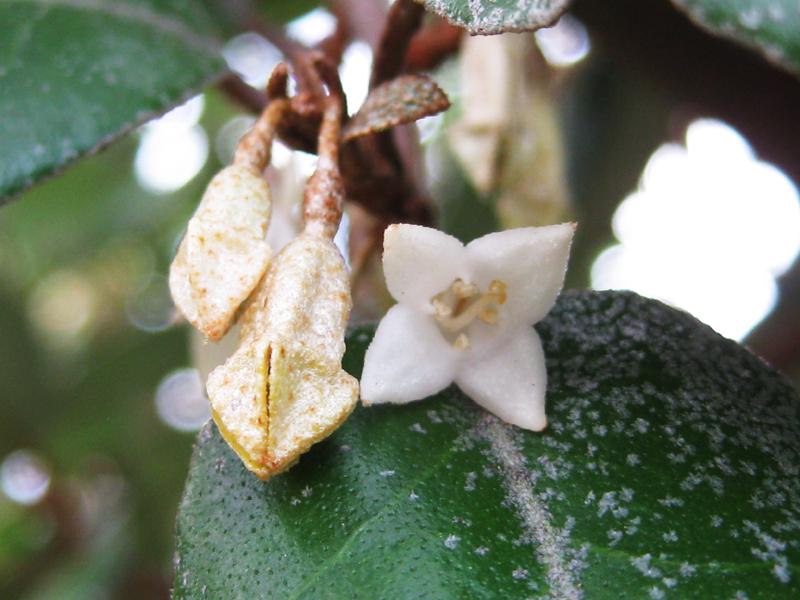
(456, 307)
(461, 342)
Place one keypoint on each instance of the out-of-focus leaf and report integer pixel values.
(669, 469)
(75, 74)
(772, 28)
(23, 533)
(281, 11)
(401, 100)
(486, 17)
(507, 135)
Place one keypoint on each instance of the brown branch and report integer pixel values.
(432, 45)
(243, 94)
(402, 22)
(334, 45)
(376, 175)
(309, 85)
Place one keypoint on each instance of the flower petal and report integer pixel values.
(419, 262)
(531, 261)
(510, 382)
(407, 360)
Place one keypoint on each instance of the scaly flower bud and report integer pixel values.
(224, 253)
(284, 388)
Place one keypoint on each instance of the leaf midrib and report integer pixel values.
(330, 562)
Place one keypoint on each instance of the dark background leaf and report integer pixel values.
(772, 28)
(669, 470)
(89, 71)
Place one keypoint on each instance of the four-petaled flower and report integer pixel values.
(465, 315)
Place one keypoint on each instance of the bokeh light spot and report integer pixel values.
(24, 478)
(252, 57)
(313, 27)
(152, 308)
(172, 149)
(565, 43)
(181, 402)
(709, 230)
(354, 73)
(62, 307)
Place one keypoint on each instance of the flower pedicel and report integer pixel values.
(465, 315)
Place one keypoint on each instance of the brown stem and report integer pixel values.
(248, 18)
(334, 45)
(324, 195)
(402, 22)
(432, 45)
(243, 94)
(255, 147)
(329, 75)
(376, 173)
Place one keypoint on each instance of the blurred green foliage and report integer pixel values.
(83, 399)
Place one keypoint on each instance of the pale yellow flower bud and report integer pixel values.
(224, 253)
(284, 388)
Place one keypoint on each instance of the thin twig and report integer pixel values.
(243, 94)
(334, 45)
(432, 45)
(402, 22)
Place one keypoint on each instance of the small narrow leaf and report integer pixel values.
(669, 470)
(772, 28)
(74, 74)
(487, 17)
(401, 100)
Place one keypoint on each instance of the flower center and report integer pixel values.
(456, 307)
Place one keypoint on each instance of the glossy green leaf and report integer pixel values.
(669, 470)
(770, 26)
(74, 74)
(486, 17)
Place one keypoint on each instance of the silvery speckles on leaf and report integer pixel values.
(465, 315)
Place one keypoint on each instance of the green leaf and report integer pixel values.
(670, 469)
(772, 28)
(75, 74)
(486, 17)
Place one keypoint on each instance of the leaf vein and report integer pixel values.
(357, 531)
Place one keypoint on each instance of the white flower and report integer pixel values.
(465, 315)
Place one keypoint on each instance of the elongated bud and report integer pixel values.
(322, 204)
(224, 253)
(284, 388)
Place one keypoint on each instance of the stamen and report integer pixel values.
(464, 290)
(489, 315)
(461, 342)
(497, 289)
(460, 304)
(441, 308)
